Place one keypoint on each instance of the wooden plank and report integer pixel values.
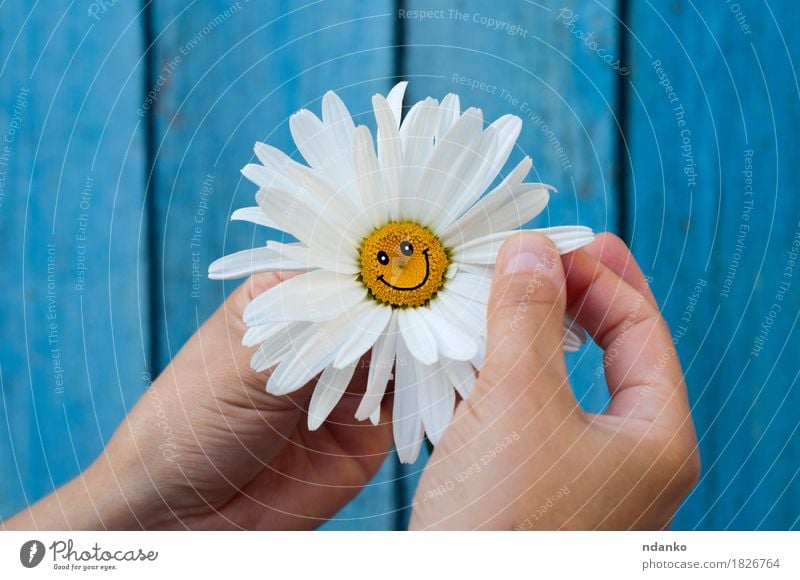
(536, 61)
(71, 190)
(233, 73)
(713, 171)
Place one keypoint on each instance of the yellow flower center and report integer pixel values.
(403, 264)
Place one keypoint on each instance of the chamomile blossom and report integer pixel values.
(395, 253)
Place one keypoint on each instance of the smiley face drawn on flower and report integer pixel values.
(402, 267)
(403, 264)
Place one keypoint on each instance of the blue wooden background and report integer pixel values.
(123, 124)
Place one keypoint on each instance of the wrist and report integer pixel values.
(122, 494)
(91, 501)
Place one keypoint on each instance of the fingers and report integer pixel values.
(525, 323)
(610, 250)
(227, 325)
(212, 378)
(641, 365)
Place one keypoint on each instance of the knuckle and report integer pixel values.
(475, 408)
(515, 293)
(679, 462)
(640, 316)
(490, 402)
(612, 239)
(687, 470)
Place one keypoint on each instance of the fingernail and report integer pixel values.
(526, 252)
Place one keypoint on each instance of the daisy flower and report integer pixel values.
(396, 250)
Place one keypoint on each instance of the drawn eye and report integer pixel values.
(383, 257)
(406, 248)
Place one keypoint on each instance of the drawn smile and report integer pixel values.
(392, 268)
(418, 286)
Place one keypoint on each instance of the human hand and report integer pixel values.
(520, 453)
(208, 448)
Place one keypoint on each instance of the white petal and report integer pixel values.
(380, 369)
(574, 335)
(452, 270)
(482, 270)
(366, 329)
(482, 219)
(318, 144)
(449, 111)
(484, 250)
(276, 345)
(269, 355)
(568, 238)
(339, 207)
(395, 100)
(336, 115)
(508, 128)
(477, 362)
(315, 296)
(417, 133)
(370, 179)
(461, 375)
(406, 420)
(575, 328)
(570, 343)
(311, 138)
(316, 347)
(266, 178)
(469, 189)
(526, 202)
(466, 312)
(299, 215)
(253, 215)
(328, 391)
(451, 340)
(273, 158)
(473, 286)
(313, 258)
(321, 191)
(258, 334)
(417, 337)
(450, 168)
(436, 399)
(390, 152)
(248, 262)
(375, 418)
(499, 196)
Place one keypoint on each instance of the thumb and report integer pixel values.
(212, 377)
(526, 323)
(225, 331)
(215, 424)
